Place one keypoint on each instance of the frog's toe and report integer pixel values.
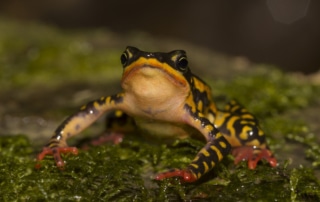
(108, 136)
(267, 155)
(253, 156)
(56, 153)
(185, 175)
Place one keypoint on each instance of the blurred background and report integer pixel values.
(285, 33)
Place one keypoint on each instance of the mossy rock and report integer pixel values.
(47, 73)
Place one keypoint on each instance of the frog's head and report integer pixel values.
(155, 75)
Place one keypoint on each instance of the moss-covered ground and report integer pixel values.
(46, 73)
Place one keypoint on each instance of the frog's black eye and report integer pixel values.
(124, 58)
(182, 63)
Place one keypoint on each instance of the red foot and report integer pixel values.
(113, 137)
(56, 153)
(185, 175)
(253, 156)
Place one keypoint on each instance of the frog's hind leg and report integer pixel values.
(243, 132)
(118, 123)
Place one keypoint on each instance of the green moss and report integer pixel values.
(125, 172)
(267, 91)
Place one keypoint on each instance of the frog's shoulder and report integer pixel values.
(198, 84)
(200, 98)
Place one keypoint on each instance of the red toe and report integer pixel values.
(185, 175)
(56, 153)
(253, 156)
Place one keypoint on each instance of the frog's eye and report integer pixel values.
(182, 63)
(124, 58)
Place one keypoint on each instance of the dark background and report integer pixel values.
(285, 33)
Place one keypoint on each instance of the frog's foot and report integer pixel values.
(106, 137)
(113, 137)
(253, 156)
(56, 153)
(185, 175)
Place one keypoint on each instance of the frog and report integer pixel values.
(163, 98)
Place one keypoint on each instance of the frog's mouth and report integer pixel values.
(153, 69)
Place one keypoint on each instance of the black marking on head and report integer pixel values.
(177, 59)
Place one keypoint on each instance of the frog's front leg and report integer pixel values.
(74, 124)
(213, 152)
